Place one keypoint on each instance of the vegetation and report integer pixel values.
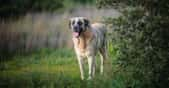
(141, 37)
(15, 8)
(18, 7)
(138, 47)
(51, 68)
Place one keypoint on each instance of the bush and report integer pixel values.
(141, 35)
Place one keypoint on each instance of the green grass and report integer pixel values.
(50, 68)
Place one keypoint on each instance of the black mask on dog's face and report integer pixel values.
(78, 25)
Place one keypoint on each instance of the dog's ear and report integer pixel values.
(86, 22)
(69, 24)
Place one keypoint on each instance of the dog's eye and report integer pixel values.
(73, 22)
(79, 23)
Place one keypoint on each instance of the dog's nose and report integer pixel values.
(76, 27)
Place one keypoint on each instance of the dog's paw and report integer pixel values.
(82, 78)
(89, 78)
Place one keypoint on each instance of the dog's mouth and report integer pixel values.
(76, 34)
(77, 31)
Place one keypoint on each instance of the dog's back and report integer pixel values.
(99, 30)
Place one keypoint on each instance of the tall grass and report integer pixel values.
(45, 30)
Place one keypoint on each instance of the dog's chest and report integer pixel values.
(82, 46)
(83, 51)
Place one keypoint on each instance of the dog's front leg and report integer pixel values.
(91, 64)
(80, 61)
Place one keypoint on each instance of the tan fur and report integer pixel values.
(83, 40)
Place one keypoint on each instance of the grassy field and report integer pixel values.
(51, 68)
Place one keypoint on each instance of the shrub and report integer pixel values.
(141, 35)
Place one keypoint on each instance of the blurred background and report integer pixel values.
(36, 48)
(28, 25)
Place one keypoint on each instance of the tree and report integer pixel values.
(18, 7)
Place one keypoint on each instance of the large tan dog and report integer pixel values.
(88, 39)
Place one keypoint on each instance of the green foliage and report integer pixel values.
(141, 37)
(154, 7)
(18, 7)
(10, 8)
(142, 47)
(83, 1)
(47, 5)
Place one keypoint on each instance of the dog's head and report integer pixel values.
(78, 25)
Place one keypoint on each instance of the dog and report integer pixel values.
(88, 39)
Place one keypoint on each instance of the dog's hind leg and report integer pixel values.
(103, 56)
(80, 61)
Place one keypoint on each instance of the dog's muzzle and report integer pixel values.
(77, 31)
